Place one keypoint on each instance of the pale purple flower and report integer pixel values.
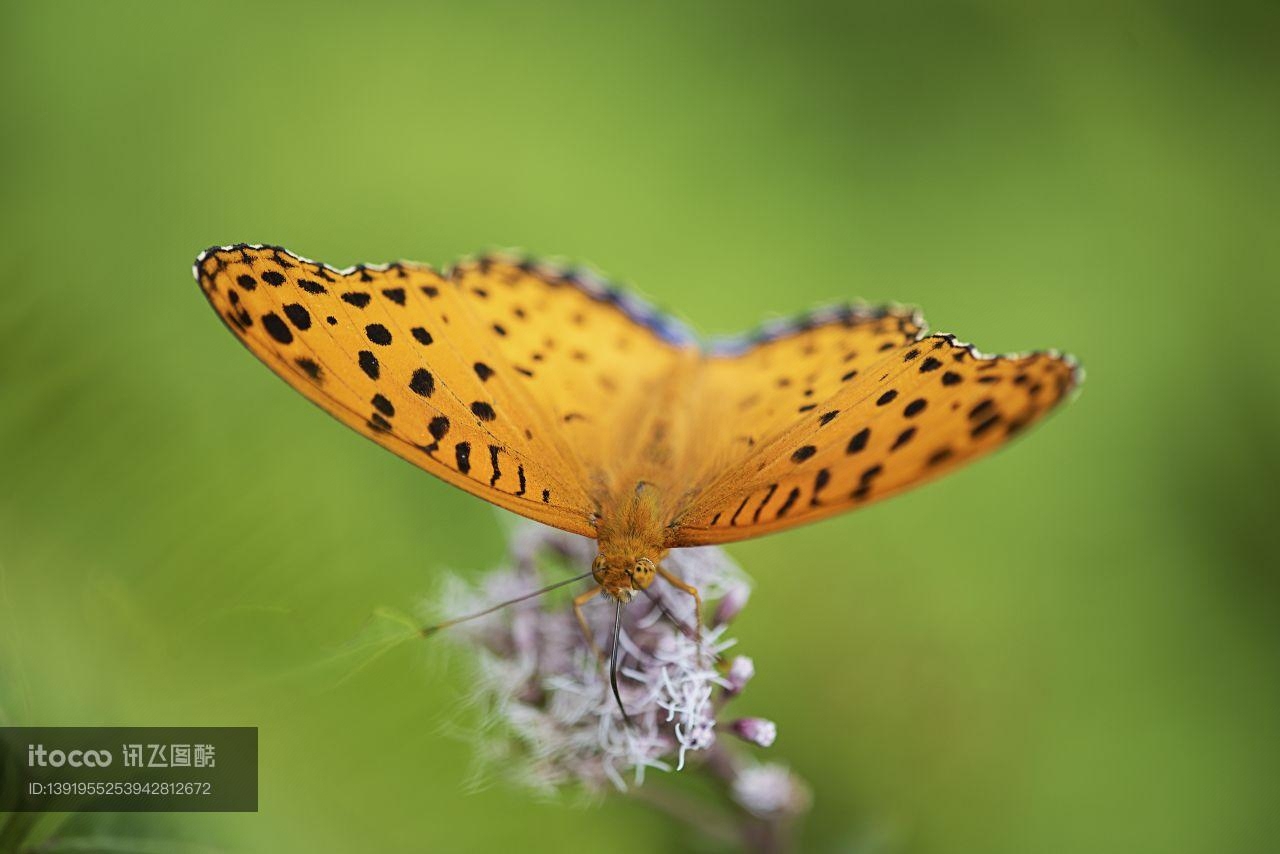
(758, 731)
(770, 790)
(554, 719)
(741, 669)
(734, 600)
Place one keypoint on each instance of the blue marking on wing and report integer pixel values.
(676, 332)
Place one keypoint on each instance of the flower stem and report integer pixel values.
(715, 823)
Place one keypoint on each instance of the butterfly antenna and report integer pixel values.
(428, 631)
(613, 662)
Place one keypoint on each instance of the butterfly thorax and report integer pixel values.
(631, 536)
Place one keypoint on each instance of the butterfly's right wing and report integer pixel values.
(836, 416)
(502, 378)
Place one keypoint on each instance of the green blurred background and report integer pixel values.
(1071, 646)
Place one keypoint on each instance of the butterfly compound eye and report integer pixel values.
(644, 571)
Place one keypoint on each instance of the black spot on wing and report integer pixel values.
(276, 328)
(755, 517)
(803, 453)
(309, 367)
(298, 316)
(494, 450)
(985, 425)
(438, 428)
(981, 408)
(939, 456)
(792, 496)
(422, 383)
(820, 481)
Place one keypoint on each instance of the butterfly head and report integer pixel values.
(623, 577)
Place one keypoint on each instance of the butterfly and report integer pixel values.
(556, 395)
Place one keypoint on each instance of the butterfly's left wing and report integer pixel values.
(513, 381)
(922, 406)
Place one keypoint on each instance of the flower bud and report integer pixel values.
(771, 790)
(731, 604)
(759, 731)
(741, 669)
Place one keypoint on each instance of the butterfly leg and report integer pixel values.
(680, 584)
(578, 602)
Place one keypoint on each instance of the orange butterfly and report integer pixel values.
(553, 394)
